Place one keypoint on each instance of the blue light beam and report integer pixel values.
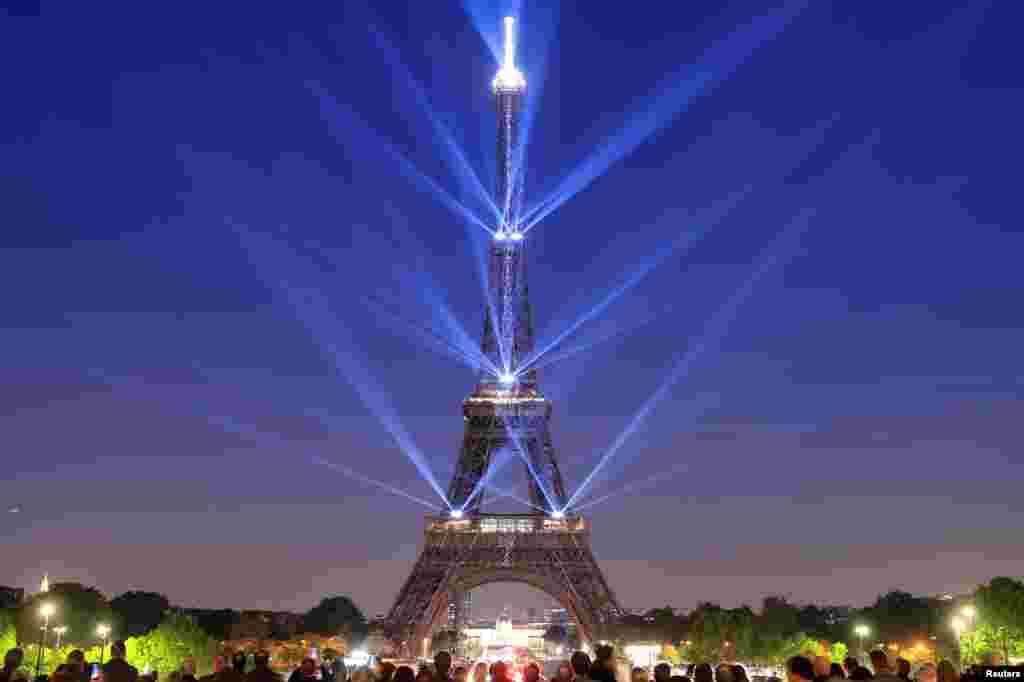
(673, 96)
(634, 486)
(454, 157)
(714, 330)
(351, 473)
(685, 240)
(329, 333)
(343, 118)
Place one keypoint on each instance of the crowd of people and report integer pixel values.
(235, 667)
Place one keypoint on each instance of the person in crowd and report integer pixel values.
(12, 661)
(836, 672)
(739, 674)
(339, 670)
(499, 672)
(74, 669)
(384, 671)
(117, 669)
(327, 670)
(404, 673)
(603, 668)
(927, 673)
(799, 669)
(880, 664)
(174, 676)
(723, 673)
(531, 673)
(306, 672)
(702, 673)
(261, 671)
(638, 674)
(822, 669)
(425, 674)
(218, 665)
(480, 672)
(946, 672)
(903, 669)
(662, 672)
(188, 670)
(850, 663)
(861, 673)
(363, 674)
(580, 663)
(460, 674)
(679, 678)
(564, 673)
(442, 667)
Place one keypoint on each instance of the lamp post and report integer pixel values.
(104, 632)
(60, 633)
(46, 610)
(861, 631)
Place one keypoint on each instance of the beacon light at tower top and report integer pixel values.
(509, 78)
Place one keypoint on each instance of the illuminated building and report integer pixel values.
(467, 609)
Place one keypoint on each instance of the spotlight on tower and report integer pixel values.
(509, 77)
(500, 236)
(456, 513)
(557, 514)
(516, 236)
(507, 378)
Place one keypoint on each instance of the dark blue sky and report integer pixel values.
(855, 429)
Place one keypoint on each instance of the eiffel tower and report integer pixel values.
(506, 417)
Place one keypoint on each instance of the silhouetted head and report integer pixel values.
(13, 658)
(580, 664)
(836, 670)
(861, 673)
(879, 661)
(799, 669)
(739, 673)
(662, 672)
(404, 673)
(850, 663)
(723, 673)
(308, 667)
(118, 649)
(442, 663)
(903, 668)
(261, 659)
(238, 661)
(702, 673)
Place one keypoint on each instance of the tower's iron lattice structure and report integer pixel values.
(506, 418)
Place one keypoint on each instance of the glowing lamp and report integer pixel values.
(103, 630)
(516, 236)
(969, 611)
(456, 513)
(47, 610)
(499, 236)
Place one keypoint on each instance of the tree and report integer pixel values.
(900, 616)
(837, 652)
(217, 623)
(1000, 606)
(77, 607)
(336, 616)
(165, 648)
(137, 613)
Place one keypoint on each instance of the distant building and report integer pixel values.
(11, 597)
(506, 640)
(556, 616)
(467, 609)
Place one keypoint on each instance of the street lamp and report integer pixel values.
(46, 610)
(104, 632)
(861, 631)
(60, 633)
(969, 612)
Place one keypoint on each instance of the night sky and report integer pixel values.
(217, 242)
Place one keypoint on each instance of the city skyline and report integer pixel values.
(848, 427)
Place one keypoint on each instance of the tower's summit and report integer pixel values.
(509, 78)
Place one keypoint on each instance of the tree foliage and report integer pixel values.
(337, 616)
(137, 613)
(77, 607)
(167, 646)
(217, 623)
(1000, 617)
